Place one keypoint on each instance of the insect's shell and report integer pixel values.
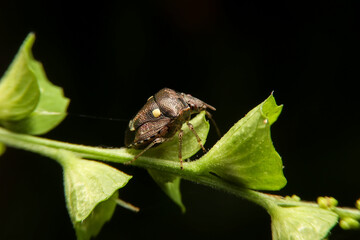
(161, 117)
(154, 118)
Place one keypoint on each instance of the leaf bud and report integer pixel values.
(357, 203)
(348, 223)
(321, 201)
(294, 197)
(327, 202)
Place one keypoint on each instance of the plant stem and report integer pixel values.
(46, 147)
(191, 171)
(254, 196)
(52, 149)
(56, 149)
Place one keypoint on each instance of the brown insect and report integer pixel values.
(161, 118)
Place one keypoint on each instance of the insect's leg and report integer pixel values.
(157, 140)
(213, 123)
(181, 133)
(196, 135)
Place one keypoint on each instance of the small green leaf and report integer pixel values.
(87, 184)
(245, 154)
(301, 223)
(92, 225)
(19, 89)
(170, 184)
(51, 108)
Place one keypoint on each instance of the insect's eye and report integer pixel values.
(156, 112)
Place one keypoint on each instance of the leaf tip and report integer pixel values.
(270, 109)
(29, 41)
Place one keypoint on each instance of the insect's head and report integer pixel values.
(196, 104)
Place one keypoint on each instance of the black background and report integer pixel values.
(110, 57)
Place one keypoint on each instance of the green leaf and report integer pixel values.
(170, 151)
(87, 184)
(170, 184)
(51, 108)
(302, 222)
(92, 225)
(19, 89)
(245, 155)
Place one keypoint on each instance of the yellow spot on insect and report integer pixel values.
(131, 125)
(156, 112)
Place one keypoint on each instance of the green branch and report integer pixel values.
(53, 149)
(48, 147)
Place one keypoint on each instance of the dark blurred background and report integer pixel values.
(111, 56)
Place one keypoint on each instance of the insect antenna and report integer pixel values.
(84, 116)
(99, 118)
(208, 114)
